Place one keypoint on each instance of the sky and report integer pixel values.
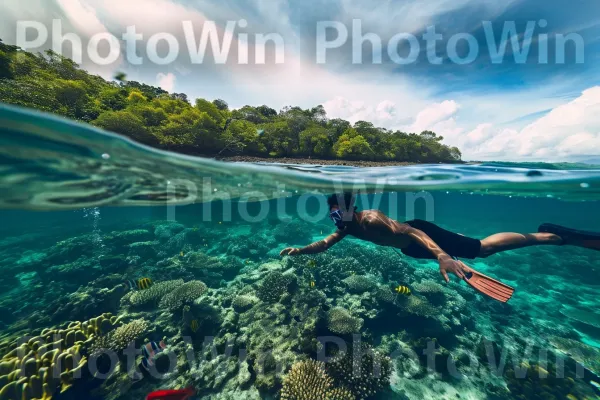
(401, 64)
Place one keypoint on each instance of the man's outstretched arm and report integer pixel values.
(316, 247)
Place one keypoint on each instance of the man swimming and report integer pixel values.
(422, 239)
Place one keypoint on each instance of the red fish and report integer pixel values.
(182, 394)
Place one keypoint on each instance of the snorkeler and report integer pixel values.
(422, 239)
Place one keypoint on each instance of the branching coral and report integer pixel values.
(308, 380)
(120, 338)
(243, 302)
(432, 290)
(155, 293)
(385, 295)
(186, 293)
(417, 305)
(273, 286)
(359, 283)
(362, 370)
(340, 321)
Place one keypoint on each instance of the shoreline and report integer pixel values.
(315, 161)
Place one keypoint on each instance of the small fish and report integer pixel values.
(220, 222)
(140, 284)
(321, 232)
(311, 263)
(312, 284)
(181, 254)
(194, 325)
(150, 350)
(403, 290)
(182, 394)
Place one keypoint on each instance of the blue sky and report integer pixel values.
(507, 110)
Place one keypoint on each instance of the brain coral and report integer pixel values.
(308, 380)
(37, 368)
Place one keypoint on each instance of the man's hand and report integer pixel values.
(290, 251)
(448, 264)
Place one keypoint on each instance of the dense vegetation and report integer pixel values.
(147, 114)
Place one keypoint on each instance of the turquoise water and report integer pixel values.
(84, 211)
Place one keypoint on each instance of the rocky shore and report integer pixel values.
(314, 161)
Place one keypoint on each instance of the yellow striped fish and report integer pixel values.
(312, 284)
(403, 290)
(194, 325)
(140, 284)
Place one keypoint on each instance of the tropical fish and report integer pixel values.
(312, 284)
(181, 394)
(140, 284)
(403, 290)
(247, 261)
(311, 263)
(194, 325)
(181, 254)
(149, 351)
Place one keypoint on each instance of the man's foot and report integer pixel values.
(574, 237)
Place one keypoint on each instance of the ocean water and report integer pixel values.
(83, 212)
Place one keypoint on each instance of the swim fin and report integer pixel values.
(587, 239)
(488, 286)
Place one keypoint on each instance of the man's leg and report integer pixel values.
(511, 241)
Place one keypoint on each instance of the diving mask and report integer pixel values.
(337, 216)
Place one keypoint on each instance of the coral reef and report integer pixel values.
(359, 284)
(340, 321)
(273, 286)
(186, 293)
(154, 294)
(118, 339)
(44, 364)
(307, 380)
(362, 370)
(242, 323)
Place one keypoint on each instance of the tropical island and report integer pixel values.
(150, 115)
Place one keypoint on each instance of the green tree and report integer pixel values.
(353, 146)
(221, 104)
(113, 98)
(125, 123)
(314, 141)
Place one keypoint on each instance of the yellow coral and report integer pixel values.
(36, 369)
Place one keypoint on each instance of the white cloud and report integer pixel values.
(568, 130)
(434, 114)
(166, 81)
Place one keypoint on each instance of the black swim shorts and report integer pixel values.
(452, 243)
